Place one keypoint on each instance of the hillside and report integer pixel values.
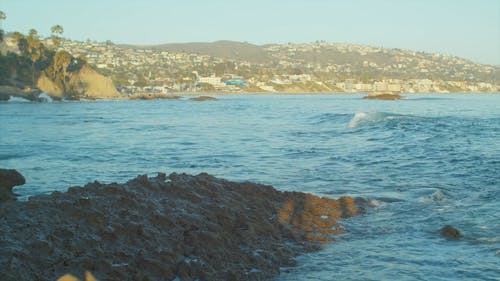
(26, 72)
(310, 67)
(356, 59)
(230, 50)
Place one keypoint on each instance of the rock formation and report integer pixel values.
(383, 96)
(10, 91)
(166, 227)
(9, 179)
(203, 98)
(450, 232)
(85, 83)
(48, 86)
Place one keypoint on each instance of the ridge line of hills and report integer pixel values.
(216, 48)
(298, 67)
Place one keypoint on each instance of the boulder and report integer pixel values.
(383, 96)
(203, 98)
(9, 179)
(450, 232)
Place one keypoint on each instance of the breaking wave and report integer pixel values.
(44, 97)
(435, 197)
(17, 99)
(371, 118)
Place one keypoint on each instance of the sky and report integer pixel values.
(464, 28)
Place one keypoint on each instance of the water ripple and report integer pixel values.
(424, 163)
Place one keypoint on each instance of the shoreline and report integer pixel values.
(167, 227)
(181, 95)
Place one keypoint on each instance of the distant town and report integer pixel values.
(235, 67)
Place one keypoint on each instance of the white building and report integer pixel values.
(212, 80)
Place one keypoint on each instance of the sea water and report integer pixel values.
(424, 162)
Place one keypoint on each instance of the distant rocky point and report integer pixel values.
(383, 96)
(176, 227)
(85, 83)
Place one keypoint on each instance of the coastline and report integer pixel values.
(190, 95)
(167, 227)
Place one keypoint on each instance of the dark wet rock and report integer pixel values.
(383, 96)
(6, 92)
(9, 179)
(166, 227)
(450, 232)
(203, 98)
(153, 96)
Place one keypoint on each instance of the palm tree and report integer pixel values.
(2, 18)
(62, 60)
(57, 31)
(32, 48)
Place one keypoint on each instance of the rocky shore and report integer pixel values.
(176, 227)
(6, 92)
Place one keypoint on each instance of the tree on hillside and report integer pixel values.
(61, 62)
(56, 31)
(2, 18)
(35, 51)
(32, 48)
(14, 67)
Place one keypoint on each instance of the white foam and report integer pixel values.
(368, 118)
(374, 203)
(17, 99)
(435, 197)
(358, 117)
(489, 239)
(44, 97)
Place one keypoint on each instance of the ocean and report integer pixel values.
(424, 162)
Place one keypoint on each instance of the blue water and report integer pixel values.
(425, 162)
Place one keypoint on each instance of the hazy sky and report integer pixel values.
(466, 28)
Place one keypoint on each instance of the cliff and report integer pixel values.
(49, 87)
(84, 83)
(178, 227)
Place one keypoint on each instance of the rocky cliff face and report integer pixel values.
(178, 227)
(85, 83)
(49, 87)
